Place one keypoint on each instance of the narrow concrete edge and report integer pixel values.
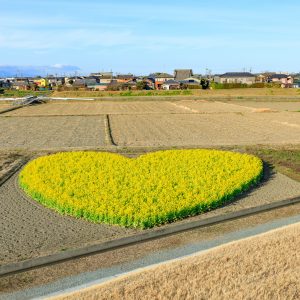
(10, 109)
(43, 261)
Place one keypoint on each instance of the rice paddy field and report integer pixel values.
(185, 123)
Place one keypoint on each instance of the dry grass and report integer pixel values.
(285, 161)
(262, 267)
(244, 92)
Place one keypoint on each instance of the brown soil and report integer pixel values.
(140, 251)
(4, 106)
(218, 129)
(279, 106)
(51, 132)
(262, 267)
(151, 123)
(94, 108)
(29, 230)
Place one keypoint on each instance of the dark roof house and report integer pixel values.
(182, 74)
(125, 76)
(236, 74)
(161, 75)
(171, 85)
(278, 76)
(235, 78)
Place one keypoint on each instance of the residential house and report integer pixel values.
(101, 74)
(296, 84)
(296, 81)
(75, 82)
(182, 74)
(235, 77)
(283, 79)
(5, 83)
(261, 78)
(124, 78)
(91, 80)
(149, 84)
(55, 81)
(41, 82)
(21, 84)
(98, 87)
(192, 81)
(171, 85)
(106, 79)
(103, 77)
(159, 79)
(122, 86)
(264, 77)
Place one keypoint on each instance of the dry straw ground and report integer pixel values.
(253, 92)
(151, 123)
(262, 267)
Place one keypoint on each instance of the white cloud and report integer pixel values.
(58, 66)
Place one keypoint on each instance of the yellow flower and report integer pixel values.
(153, 189)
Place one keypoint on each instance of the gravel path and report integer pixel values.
(30, 230)
(51, 132)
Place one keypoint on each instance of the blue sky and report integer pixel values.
(147, 36)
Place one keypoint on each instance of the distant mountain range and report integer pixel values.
(31, 71)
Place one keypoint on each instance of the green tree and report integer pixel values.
(204, 83)
(141, 85)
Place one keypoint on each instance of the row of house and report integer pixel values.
(106, 81)
(180, 79)
(285, 80)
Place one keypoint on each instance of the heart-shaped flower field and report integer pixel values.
(152, 189)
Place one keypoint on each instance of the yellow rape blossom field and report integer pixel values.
(150, 190)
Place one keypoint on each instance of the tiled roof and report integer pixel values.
(171, 81)
(183, 74)
(161, 75)
(127, 76)
(237, 74)
(278, 76)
